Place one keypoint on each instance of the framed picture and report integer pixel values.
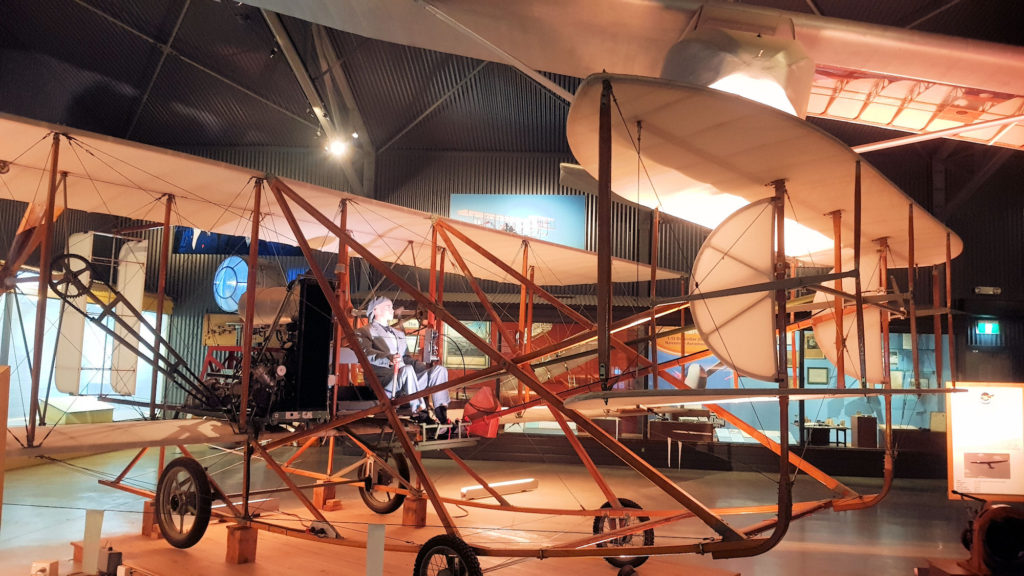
(459, 354)
(896, 379)
(817, 376)
(811, 349)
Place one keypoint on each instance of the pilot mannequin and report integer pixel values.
(399, 373)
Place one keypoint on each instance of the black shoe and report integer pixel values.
(441, 413)
(444, 431)
(422, 417)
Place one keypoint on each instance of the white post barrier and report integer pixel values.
(91, 541)
(5, 388)
(375, 549)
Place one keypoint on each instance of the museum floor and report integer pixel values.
(44, 510)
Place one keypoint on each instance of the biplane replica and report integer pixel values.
(785, 178)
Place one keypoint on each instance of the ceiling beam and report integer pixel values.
(986, 172)
(433, 106)
(949, 4)
(284, 42)
(330, 63)
(193, 63)
(332, 67)
(291, 55)
(337, 113)
(503, 55)
(164, 50)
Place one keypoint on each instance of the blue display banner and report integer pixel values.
(558, 219)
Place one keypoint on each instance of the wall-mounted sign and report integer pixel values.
(985, 441)
(677, 344)
(558, 219)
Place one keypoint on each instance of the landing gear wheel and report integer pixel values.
(613, 523)
(183, 501)
(71, 275)
(446, 555)
(380, 501)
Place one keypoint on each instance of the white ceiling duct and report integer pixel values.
(770, 70)
(581, 37)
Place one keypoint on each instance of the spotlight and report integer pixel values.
(337, 147)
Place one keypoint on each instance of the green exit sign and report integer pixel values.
(986, 327)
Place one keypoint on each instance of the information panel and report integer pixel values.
(985, 442)
(558, 219)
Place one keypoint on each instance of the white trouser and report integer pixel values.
(409, 382)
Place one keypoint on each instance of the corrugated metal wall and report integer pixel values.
(303, 164)
(410, 98)
(991, 225)
(425, 180)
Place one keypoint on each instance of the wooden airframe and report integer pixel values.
(303, 212)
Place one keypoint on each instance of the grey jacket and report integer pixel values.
(376, 342)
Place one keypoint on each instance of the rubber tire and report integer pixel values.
(451, 547)
(1003, 546)
(168, 503)
(634, 561)
(389, 506)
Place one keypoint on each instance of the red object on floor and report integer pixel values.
(482, 404)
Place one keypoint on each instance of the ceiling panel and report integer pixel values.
(190, 107)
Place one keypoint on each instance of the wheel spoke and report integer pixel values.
(183, 485)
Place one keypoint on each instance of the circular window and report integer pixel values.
(229, 283)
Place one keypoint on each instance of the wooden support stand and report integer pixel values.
(149, 525)
(324, 498)
(241, 544)
(414, 512)
(943, 567)
(45, 568)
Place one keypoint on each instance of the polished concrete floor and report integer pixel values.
(44, 510)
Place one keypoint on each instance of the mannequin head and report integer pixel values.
(380, 310)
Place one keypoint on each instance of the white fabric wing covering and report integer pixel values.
(700, 143)
(114, 176)
(403, 235)
(825, 329)
(68, 371)
(131, 283)
(739, 329)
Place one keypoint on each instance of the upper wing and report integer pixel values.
(114, 176)
(700, 144)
